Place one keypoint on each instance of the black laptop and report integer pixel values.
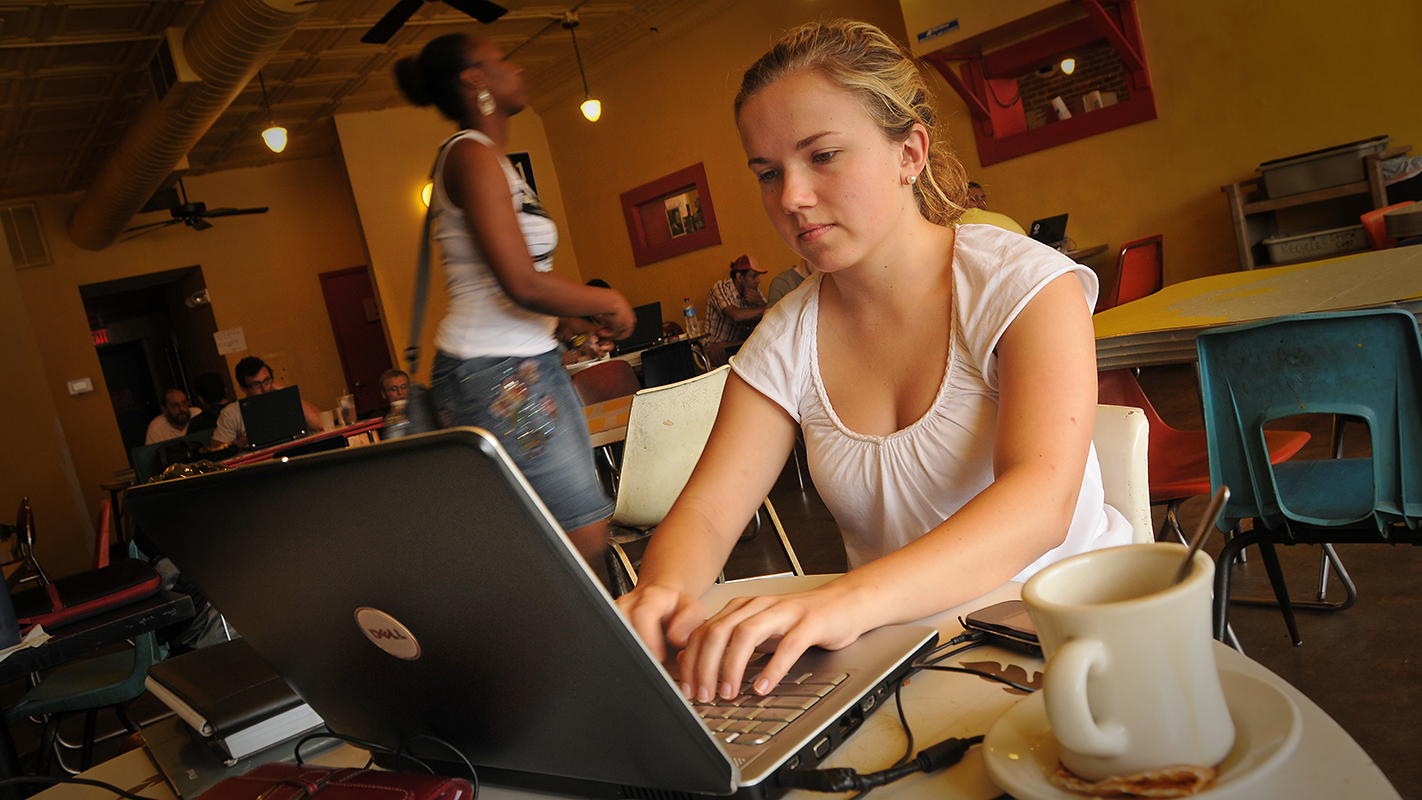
(419, 587)
(647, 331)
(273, 417)
(1050, 231)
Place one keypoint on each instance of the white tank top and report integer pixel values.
(481, 319)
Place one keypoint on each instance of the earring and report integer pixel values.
(486, 102)
(911, 180)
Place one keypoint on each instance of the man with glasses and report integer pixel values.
(255, 378)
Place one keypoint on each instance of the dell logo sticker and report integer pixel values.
(387, 633)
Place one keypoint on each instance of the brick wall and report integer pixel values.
(1096, 69)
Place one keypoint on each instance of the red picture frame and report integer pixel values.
(647, 215)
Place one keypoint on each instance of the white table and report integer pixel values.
(1326, 765)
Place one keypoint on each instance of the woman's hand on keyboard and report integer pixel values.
(714, 661)
(662, 616)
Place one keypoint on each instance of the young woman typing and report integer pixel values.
(943, 377)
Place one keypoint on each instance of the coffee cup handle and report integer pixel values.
(1068, 707)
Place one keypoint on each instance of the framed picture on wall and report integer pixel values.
(670, 216)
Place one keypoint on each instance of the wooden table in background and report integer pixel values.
(607, 421)
(1161, 328)
(362, 427)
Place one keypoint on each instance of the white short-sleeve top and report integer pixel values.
(886, 491)
(481, 319)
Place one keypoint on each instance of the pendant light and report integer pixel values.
(592, 109)
(274, 135)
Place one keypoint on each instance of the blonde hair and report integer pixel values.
(866, 62)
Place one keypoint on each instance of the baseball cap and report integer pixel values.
(746, 263)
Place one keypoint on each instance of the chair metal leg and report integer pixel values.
(784, 540)
(1232, 640)
(1270, 556)
(1350, 590)
(91, 725)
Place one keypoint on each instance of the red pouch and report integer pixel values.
(83, 595)
(283, 781)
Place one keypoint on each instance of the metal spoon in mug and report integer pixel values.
(1207, 522)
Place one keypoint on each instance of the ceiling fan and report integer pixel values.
(193, 215)
(380, 33)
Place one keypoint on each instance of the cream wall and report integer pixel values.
(664, 112)
(261, 273)
(1236, 84)
(388, 156)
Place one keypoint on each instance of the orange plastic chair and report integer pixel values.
(1373, 226)
(1139, 272)
(606, 381)
(1179, 461)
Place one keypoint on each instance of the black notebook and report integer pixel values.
(231, 698)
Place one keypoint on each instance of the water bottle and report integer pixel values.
(397, 424)
(689, 311)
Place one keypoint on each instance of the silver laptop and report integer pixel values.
(419, 587)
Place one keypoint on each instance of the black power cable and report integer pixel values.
(944, 754)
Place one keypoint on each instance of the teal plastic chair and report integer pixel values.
(1360, 365)
(112, 681)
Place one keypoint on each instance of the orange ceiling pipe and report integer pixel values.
(221, 50)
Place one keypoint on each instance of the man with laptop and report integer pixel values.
(733, 307)
(255, 378)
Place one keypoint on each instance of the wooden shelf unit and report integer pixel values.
(1253, 213)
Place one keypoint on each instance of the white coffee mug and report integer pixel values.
(1131, 683)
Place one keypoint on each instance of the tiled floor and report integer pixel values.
(1363, 666)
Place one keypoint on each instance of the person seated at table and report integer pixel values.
(255, 377)
(210, 392)
(174, 420)
(944, 379)
(394, 385)
(788, 281)
(733, 307)
(976, 212)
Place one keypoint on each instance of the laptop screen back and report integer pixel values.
(419, 587)
(1050, 231)
(647, 330)
(273, 417)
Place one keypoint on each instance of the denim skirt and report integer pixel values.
(529, 404)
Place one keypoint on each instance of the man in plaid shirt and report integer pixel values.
(733, 307)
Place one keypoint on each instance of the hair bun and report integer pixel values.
(411, 80)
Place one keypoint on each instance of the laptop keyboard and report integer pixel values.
(752, 719)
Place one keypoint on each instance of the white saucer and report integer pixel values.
(1020, 751)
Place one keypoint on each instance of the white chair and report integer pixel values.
(1121, 437)
(667, 428)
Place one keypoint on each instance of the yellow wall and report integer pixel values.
(1236, 84)
(667, 111)
(261, 272)
(388, 157)
(37, 462)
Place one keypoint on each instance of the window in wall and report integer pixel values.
(1021, 97)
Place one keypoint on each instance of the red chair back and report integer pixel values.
(606, 381)
(1373, 226)
(1139, 272)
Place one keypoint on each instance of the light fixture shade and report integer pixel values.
(425, 192)
(275, 137)
(1068, 66)
(592, 109)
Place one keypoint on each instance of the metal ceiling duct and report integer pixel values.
(211, 62)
